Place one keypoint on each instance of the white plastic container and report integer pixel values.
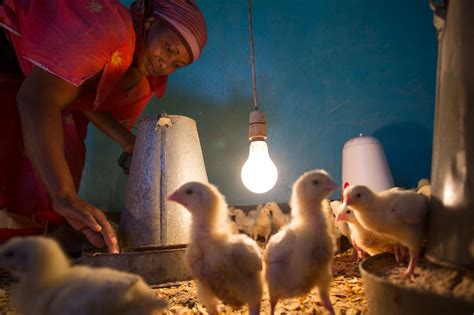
(364, 163)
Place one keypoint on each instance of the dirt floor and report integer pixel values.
(346, 295)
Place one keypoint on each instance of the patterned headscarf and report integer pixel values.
(182, 15)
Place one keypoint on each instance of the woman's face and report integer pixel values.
(163, 52)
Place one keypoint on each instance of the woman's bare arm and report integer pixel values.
(109, 125)
(40, 101)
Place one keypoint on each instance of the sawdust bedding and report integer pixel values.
(346, 295)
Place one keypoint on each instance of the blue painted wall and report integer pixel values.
(326, 71)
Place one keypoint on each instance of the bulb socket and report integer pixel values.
(257, 126)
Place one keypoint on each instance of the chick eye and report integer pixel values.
(358, 195)
(315, 182)
(348, 211)
(188, 192)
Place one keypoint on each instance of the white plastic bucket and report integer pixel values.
(364, 163)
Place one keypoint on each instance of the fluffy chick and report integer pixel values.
(341, 226)
(49, 285)
(327, 210)
(279, 219)
(401, 215)
(252, 214)
(263, 224)
(224, 265)
(368, 241)
(300, 255)
(244, 222)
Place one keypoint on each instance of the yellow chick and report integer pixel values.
(398, 214)
(299, 257)
(49, 285)
(224, 265)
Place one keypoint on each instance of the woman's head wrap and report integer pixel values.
(183, 16)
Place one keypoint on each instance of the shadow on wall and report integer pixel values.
(405, 144)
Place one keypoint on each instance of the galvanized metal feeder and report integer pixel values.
(451, 236)
(154, 232)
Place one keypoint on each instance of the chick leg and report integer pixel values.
(400, 252)
(207, 298)
(254, 309)
(396, 251)
(273, 303)
(414, 254)
(324, 296)
(360, 252)
(356, 251)
(323, 289)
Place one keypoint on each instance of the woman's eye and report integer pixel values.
(172, 50)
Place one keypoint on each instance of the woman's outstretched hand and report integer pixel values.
(89, 220)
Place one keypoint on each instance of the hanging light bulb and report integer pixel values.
(259, 174)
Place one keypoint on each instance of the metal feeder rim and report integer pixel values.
(91, 252)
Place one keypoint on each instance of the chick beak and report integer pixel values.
(174, 197)
(333, 186)
(340, 217)
(348, 201)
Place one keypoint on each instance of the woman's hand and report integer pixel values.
(89, 220)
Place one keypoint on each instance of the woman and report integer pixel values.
(81, 61)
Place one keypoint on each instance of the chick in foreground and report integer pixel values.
(49, 285)
(300, 255)
(365, 241)
(224, 266)
(401, 215)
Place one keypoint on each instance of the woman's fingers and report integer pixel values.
(94, 238)
(79, 212)
(89, 220)
(107, 231)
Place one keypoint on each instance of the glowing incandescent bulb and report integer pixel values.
(259, 173)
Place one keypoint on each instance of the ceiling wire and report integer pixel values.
(252, 58)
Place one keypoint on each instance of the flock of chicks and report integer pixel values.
(225, 264)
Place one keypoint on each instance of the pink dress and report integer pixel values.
(73, 40)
